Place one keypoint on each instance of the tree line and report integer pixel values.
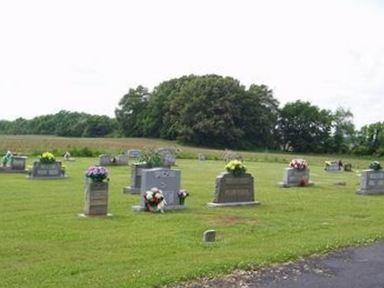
(219, 112)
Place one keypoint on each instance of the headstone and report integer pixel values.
(295, 177)
(167, 180)
(121, 159)
(209, 236)
(136, 173)
(96, 199)
(371, 182)
(168, 156)
(348, 167)
(134, 153)
(17, 165)
(233, 190)
(104, 160)
(333, 166)
(46, 171)
(201, 157)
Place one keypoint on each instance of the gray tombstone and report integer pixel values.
(96, 199)
(136, 173)
(209, 236)
(121, 159)
(167, 180)
(333, 167)
(201, 157)
(295, 177)
(47, 171)
(371, 182)
(168, 156)
(18, 163)
(233, 190)
(134, 153)
(104, 160)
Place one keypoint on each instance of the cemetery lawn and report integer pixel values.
(43, 243)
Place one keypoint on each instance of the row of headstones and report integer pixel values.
(121, 159)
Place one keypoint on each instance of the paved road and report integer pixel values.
(359, 267)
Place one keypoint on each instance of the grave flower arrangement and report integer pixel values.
(151, 158)
(299, 164)
(47, 158)
(154, 200)
(97, 174)
(375, 165)
(236, 167)
(182, 194)
(7, 158)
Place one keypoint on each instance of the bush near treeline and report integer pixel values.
(219, 112)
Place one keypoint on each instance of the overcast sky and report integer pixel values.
(84, 55)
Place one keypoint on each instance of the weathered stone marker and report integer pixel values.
(96, 199)
(371, 182)
(233, 190)
(168, 156)
(209, 236)
(136, 173)
(134, 153)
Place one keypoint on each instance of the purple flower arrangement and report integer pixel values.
(97, 173)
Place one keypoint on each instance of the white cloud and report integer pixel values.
(84, 55)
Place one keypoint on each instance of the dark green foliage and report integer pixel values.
(151, 158)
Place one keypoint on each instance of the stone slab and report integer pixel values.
(231, 204)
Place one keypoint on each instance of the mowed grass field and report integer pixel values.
(43, 242)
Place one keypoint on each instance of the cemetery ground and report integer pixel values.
(43, 242)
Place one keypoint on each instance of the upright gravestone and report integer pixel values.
(136, 174)
(134, 153)
(371, 182)
(121, 159)
(96, 199)
(167, 180)
(296, 177)
(104, 160)
(332, 166)
(348, 167)
(231, 190)
(168, 156)
(16, 165)
(201, 157)
(47, 170)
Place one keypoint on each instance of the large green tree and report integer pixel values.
(304, 127)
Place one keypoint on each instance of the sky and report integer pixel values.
(84, 55)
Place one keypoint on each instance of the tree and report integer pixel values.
(131, 111)
(305, 128)
(344, 130)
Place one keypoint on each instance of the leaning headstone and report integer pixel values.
(233, 190)
(371, 182)
(168, 180)
(121, 159)
(104, 160)
(134, 153)
(209, 236)
(136, 174)
(168, 156)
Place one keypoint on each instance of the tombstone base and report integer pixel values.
(369, 192)
(138, 208)
(47, 178)
(9, 170)
(283, 185)
(230, 204)
(131, 190)
(82, 215)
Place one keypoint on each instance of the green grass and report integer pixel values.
(43, 243)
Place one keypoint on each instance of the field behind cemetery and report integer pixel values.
(43, 242)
